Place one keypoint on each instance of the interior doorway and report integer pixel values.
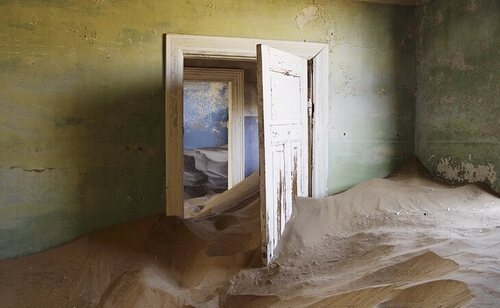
(220, 135)
(292, 117)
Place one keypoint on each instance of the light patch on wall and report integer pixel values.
(466, 171)
(307, 15)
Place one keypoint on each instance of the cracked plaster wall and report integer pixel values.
(82, 107)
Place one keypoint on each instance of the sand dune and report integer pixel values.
(403, 241)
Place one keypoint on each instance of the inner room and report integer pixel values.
(221, 145)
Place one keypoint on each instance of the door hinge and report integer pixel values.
(310, 107)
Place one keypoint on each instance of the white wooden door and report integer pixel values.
(283, 140)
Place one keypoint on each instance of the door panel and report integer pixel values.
(285, 98)
(283, 140)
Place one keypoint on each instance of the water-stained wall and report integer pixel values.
(458, 107)
(82, 107)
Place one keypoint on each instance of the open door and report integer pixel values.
(283, 140)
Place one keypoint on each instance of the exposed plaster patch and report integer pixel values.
(307, 15)
(87, 33)
(466, 171)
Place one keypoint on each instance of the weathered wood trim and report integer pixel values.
(320, 124)
(174, 195)
(262, 57)
(236, 137)
(178, 47)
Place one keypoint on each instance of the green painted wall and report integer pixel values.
(372, 85)
(81, 101)
(458, 108)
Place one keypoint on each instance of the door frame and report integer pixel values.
(178, 47)
(235, 135)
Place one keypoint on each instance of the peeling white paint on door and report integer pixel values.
(283, 120)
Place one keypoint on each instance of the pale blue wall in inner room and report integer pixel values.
(205, 114)
(251, 145)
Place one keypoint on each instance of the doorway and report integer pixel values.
(291, 166)
(220, 128)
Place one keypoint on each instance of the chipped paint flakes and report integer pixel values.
(307, 15)
(466, 171)
(210, 8)
(88, 33)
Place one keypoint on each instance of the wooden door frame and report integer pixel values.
(178, 47)
(235, 135)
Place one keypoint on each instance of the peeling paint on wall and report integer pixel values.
(466, 171)
(87, 33)
(458, 111)
(307, 15)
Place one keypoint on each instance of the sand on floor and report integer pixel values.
(402, 241)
